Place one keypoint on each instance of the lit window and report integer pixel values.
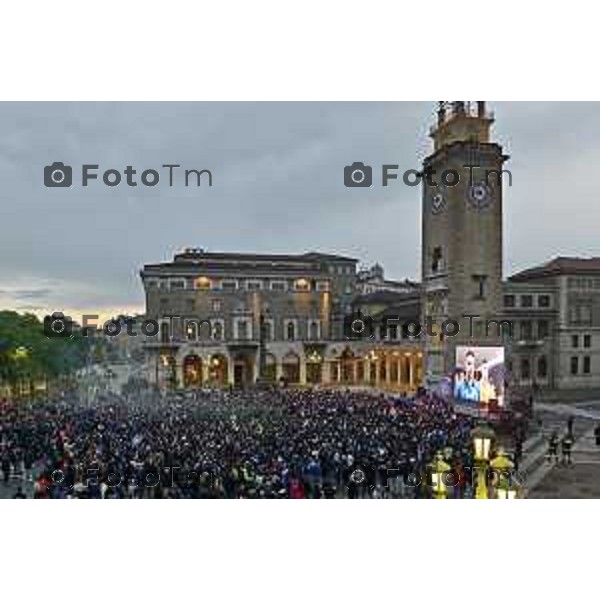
(217, 330)
(203, 283)
(302, 285)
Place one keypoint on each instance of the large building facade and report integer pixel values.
(555, 308)
(235, 319)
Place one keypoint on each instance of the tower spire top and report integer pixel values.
(461, 121)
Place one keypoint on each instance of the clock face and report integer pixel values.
(479, 195)
(438, 201)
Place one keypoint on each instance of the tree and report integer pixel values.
(27, 355)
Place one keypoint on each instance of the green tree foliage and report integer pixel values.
(27, 355)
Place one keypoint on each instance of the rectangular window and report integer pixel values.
(314, 330)
(525, 368)
(544, 301)
(526, 330)
(509, 301)
(575, 341)
(229, 284)
(587, 365)
(581, 314)
(322, 286)
(480, 281)
(242, 330)
(278, 286)
(217, 305)
(574, 365)
(587, 341)
(527, 301)
(543, 329)
(437, 260)
(252, 285)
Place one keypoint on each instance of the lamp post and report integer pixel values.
(483, 436)
(503, 466)
(438, 468)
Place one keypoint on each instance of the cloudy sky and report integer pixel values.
(277, 187)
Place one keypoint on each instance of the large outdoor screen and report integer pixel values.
(479, 374)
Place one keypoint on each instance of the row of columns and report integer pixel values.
(405, 367)
(400, 372)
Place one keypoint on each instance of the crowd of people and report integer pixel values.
(260, 443)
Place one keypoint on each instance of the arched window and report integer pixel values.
(242, 330)
(191, 331)
(268, 329)
(314, 330)
(291, 331)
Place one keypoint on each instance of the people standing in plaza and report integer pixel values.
(566, 447)
(276, 443)
(552, 454)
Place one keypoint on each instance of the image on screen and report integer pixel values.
(479, 375)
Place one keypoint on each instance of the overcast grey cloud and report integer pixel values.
(277, 187)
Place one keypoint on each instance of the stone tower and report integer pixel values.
(461, 233)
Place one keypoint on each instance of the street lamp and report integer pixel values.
(439, 467)
(483, 436)
(503, 466)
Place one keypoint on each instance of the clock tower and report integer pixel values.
(461, 250)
